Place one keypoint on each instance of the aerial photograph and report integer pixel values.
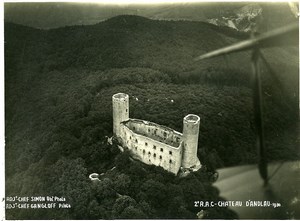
(140, 110)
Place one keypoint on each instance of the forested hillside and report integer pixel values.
(58, 111)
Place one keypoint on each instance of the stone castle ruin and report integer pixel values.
(155, 144)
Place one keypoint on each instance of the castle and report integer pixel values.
(155, 144)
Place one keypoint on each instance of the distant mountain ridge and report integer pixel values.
(119, 42)
(242, 19)
(235, 15)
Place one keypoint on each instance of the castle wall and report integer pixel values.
(155, 131)
(151, 151)
(155, 144)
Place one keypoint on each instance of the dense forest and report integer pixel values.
(58, 112)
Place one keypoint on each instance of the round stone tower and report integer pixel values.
(120, 104)
(190, 134)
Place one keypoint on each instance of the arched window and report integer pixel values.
(154, 147)
(160, 157)
(146, 144)
(161, 150)
(170, 161)
(154, 155)
(170, 152)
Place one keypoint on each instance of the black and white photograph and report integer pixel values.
(151, 110)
